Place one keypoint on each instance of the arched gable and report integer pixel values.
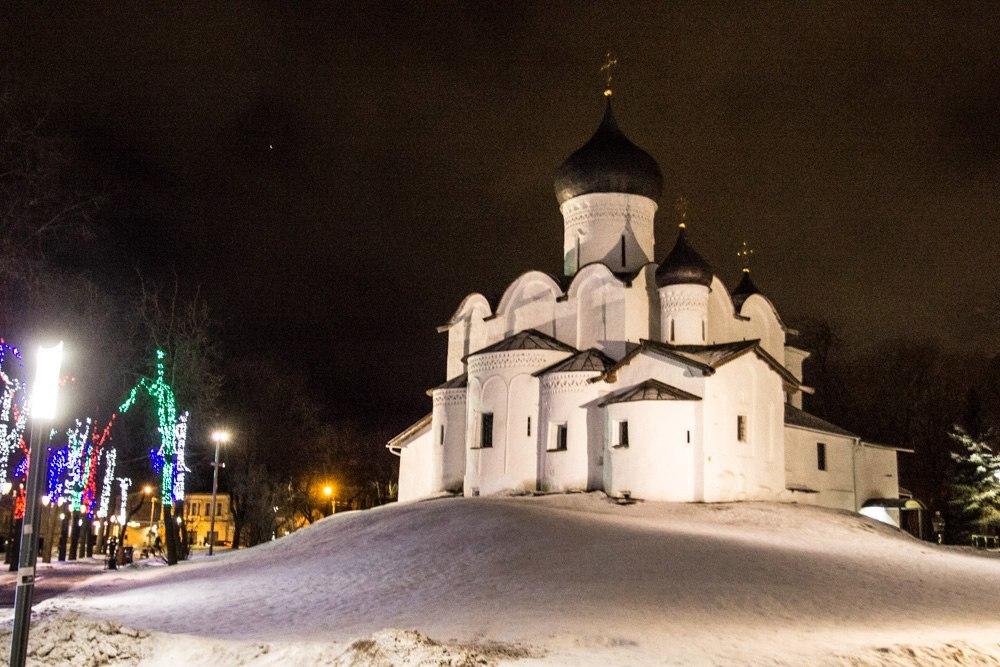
(762, 321)
(529, 303)
(472, 303)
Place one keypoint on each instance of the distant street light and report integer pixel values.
(328, 492)
(42, 410)
(219, 437)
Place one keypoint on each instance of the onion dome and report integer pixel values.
(683, 265)
(744, 290)
(609, 162)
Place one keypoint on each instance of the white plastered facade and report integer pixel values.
(717, 432)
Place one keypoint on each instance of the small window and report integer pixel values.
(741, 428)
(486, 430)
(671, 331)
(623, 250)
(623, 433)
(441, 436)
(689, 437)
(821, 455)
(703, 331)
(529, 425)
(561, 438)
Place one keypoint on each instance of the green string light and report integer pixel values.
(162, 396)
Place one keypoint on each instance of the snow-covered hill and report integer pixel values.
(571, 579)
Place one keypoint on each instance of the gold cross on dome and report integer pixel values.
(744, 254)
(682, 206)
(610, 62)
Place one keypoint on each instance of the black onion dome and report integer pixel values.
(744, 290)
(609, 162)
(683, 265)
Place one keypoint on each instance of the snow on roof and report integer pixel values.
(650, 390)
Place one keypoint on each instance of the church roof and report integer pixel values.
(609, 162)
(744, 290)
(411, 431)
(457, 382)
(529, 339)
(585, 360)
(683, 265)
(650, 390)
(706, 358)
(796, 417)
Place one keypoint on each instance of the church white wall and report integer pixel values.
(752, 469)
(878, 474)
(419, 463)
(501, 383)
(448, 431)
(595, 224)
(659, 462)
(757, 320)
(794, 358)
(648, 364)
(467, 331)
(569, 399)
(599, 300)
(684, 314)
(835, 484)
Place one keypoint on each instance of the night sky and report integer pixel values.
(337, 177)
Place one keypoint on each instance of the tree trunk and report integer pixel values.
(15, 546)
(170, 528)
(64, 535)
(74, 532)
(237, 527)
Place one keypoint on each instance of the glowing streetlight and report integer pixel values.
(219, 437)
(42, 410)
(328, 492)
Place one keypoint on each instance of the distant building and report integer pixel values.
(642, 378)
(198, 518)
(147, 522)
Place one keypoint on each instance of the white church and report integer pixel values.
(642, 378)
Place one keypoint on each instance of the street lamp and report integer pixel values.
(219, 437)
(328, 492)
(148, 490)
(41, 410)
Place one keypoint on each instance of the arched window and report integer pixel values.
(671, 331)
(623, 251)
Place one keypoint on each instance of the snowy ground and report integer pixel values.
(562, 579)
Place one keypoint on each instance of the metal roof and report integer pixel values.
(608, 162)
(529, 339)
(802, 419)
(586, 360)
(649, 390)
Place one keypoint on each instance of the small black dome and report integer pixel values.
(609, 162)
(683, 265)
(744, 290)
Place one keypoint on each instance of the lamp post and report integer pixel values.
(328, 492)
(148, 490)
(219, 437)
(42, 411)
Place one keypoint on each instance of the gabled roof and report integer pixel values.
(802, 419)
(585, 360)
(529, 339)
(412, 430)
(650, 390)
(457, 382)
(706, 358)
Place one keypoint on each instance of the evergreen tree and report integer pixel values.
(974, 491)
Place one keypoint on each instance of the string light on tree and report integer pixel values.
(180, 468)
(110, 458)
(79, 439)
(123, 485)
(162, 396)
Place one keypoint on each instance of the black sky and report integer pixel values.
(338, 176)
